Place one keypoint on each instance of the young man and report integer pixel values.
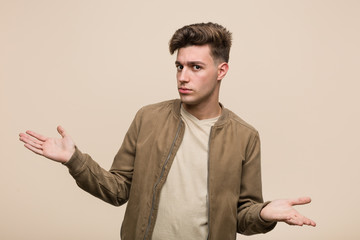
(189, 168)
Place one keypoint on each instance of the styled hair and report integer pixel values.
(217, 36)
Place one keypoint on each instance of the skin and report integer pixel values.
(56, 149)
(282, 211)
(198, 80)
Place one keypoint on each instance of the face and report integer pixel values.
(198, 76)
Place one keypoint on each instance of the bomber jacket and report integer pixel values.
(142, 164)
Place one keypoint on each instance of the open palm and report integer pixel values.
(282, 210)
(57, 149)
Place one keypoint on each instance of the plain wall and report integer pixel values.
(90, 65)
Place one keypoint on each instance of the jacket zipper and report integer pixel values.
(159, 179)
(208, 184)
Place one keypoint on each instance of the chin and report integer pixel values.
(187, 100)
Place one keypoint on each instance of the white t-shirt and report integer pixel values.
(183, 207)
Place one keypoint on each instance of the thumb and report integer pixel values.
(61, 131)
(300, 201)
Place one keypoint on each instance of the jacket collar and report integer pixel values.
(222, 119)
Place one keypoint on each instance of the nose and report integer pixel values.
(183, 76)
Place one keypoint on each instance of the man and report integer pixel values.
(189, 168)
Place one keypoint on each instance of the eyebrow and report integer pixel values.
(190, 63)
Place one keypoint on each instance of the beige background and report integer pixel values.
(90, 65)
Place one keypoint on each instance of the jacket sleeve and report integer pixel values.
(251, 200)
(112, 186)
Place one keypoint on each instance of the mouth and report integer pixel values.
(183, 90)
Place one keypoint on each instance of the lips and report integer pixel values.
(184, 90)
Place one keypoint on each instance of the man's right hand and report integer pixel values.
(56, 149)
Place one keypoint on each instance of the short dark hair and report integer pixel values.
(217, 36)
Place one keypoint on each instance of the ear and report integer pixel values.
(222, 70)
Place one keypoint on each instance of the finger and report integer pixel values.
(300, 201)
(306, 221)
(33, 149)
(30, 140)
(36, 135)
(310, 222)
(292, 221)
(300, 220)
(297, 220)
(61, 131)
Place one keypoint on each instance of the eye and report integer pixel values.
(196, 67)
(179, 67)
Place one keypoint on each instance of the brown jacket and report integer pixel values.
(142, 164)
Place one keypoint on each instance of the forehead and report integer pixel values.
(194, 53)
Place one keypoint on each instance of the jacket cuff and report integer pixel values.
(76, 162)
(268, 225)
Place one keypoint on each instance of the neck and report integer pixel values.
(201, 112)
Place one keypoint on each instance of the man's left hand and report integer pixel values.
(282, 210)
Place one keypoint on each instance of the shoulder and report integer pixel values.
(165, 105)
(160, 109)
(234, 119)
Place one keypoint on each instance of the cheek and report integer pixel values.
(178, 76)
(209, 79)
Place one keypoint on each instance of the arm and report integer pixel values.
(251, 201)
(255, 216)
(110, 186)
